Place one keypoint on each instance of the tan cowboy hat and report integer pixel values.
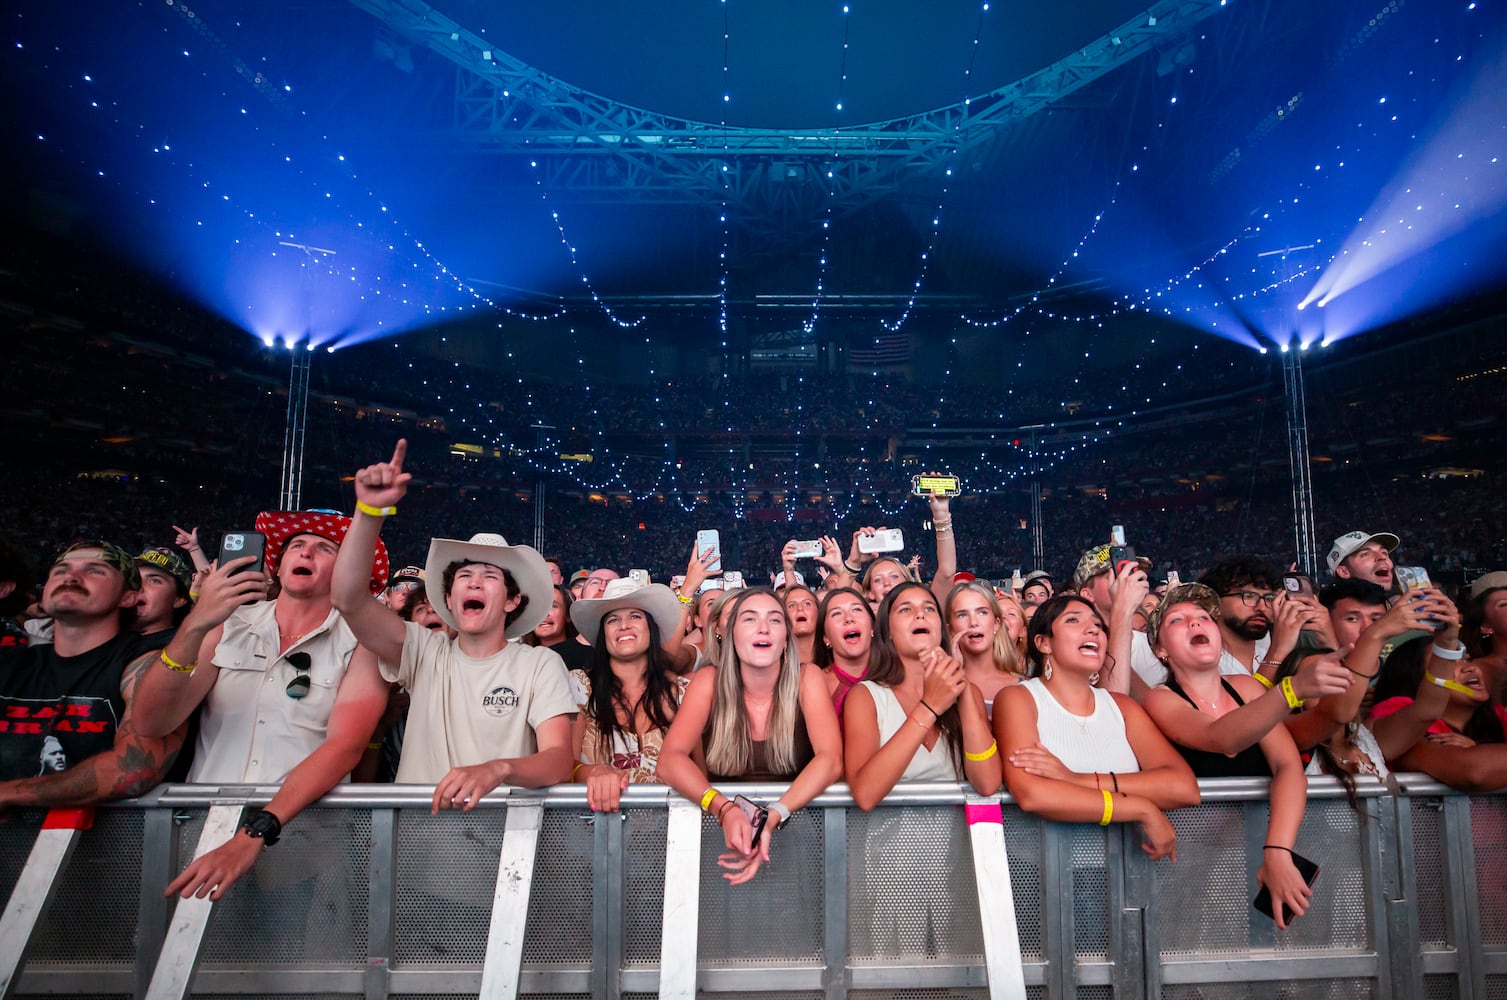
(522, 561)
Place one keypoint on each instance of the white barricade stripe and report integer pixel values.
(35, 887)
(515, 880)
(185, 933)
(991, 870)
(682, 912)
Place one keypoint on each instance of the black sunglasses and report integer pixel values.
(298, 687)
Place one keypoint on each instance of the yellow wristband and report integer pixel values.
(1264, 680)
(1448, 685)
(684, 599)
(367, 508)
(174, 665)
(706, 798)
(1293, 701)
(993, 749)
(1109, 809)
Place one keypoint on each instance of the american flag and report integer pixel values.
(885, 349)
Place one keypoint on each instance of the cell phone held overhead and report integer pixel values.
(808, 550)
(885, 540)
(240, 544)
(932, 484)
(708, 542)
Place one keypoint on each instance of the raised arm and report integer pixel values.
(358, 705)
(379, 488)
(1246, 725)
(1128, 587)
(133, 764)
(947, 550)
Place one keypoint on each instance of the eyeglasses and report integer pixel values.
(405, 586)
(298, 687)
(1251, 598)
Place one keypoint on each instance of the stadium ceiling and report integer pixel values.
(602, 149)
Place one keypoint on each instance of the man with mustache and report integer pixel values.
(71, 699)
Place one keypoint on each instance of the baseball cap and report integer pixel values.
(1091, 564)
(163, 558)
(408, 574)
(1488, 583)
(1352, 540)
(111, 554)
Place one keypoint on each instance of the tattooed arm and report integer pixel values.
(134, 765)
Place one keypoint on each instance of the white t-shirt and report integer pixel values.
(1154, 672)
(464, 710)
(927, 765)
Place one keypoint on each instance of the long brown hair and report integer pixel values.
(887, 668)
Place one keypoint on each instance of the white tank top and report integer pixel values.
(1084, 744)
(927, 765)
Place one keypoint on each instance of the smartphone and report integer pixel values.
(639, 576)
(757, 814)
(676, 581)
(1306, 868)
(888, 540)
(1121, 554)
(1117, 534)
(1297, 584)
(1015, 581)
(710, 541)
(808, 550)
(1411, 578)
(1173, 580)
(930, 484)
(733, 580)
(240, 544)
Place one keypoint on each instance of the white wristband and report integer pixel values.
(778, 808)
(1449, 654)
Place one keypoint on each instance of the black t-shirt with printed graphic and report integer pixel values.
(58, 710)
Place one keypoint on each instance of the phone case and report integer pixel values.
(710, 540)
(889, 540)
(808, 550)
(1306, 868)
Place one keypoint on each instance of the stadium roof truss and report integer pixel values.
(598, 149)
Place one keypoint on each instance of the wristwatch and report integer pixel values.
(263, 826)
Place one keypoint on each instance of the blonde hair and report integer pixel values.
(1008, 657)
(729, 743)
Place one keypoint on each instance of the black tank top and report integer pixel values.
(1248, 763)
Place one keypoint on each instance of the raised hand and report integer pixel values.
(385, 483)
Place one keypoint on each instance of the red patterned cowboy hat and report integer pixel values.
(279, 526)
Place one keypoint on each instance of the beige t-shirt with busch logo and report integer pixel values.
(466, 711)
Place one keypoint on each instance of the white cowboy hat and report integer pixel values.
(526, 565)
(656, 600)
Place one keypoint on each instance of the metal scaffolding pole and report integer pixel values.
(1038, 549)
(1297, 451)
(539, 442)
(293, 434)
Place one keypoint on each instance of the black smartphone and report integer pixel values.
(1306, 868)
(1119, 555)
(240, 544)
(757, 815)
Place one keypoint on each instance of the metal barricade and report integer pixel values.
(367, 895)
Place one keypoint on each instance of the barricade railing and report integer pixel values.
(368, 895)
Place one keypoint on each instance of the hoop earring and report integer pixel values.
(1046, 670)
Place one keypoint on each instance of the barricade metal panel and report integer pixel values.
(1412, 902)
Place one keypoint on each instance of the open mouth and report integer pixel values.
(302, 571)
(435, 626)
(973, 636)
(1200, 640)
(1090, 647)
(472, 605)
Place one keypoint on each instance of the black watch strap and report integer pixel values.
(263, 826)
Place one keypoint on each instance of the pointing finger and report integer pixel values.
(399, 453)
